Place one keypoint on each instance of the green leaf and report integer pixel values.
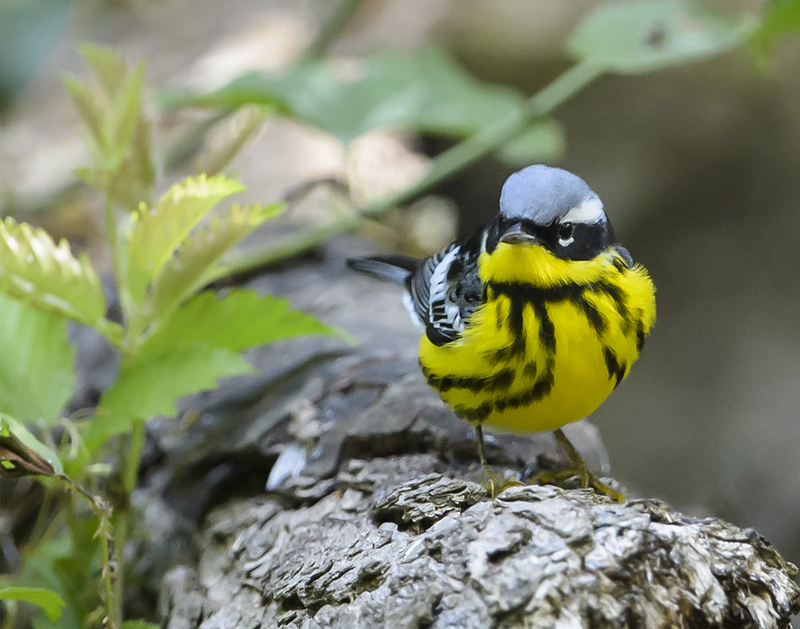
(131, 182)
(107, 64)
(87, 105)
(123, 118)
(48, 600)
(47, 276)
(152, 384)
(68, 562)
(183, 273)
(36, 362)
(237, 321)
(782, 18)
(641, 36)
(119, 144)
(25, 452)
(157, 232)
(543, 141)
(225, 141)
(425, 92)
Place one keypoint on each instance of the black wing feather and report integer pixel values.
(444, 289)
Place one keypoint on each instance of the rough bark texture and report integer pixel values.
(435, 552)
(375, 515)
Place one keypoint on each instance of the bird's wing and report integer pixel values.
(444, 291)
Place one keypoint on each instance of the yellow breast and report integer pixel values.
(551, 341)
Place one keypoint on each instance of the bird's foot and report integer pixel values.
(584, 476)
(495, 484)
(579, 469)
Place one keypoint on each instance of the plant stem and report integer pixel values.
(113, 607)
(113, 332)
(331, 29)
(131, 471)
(482, 143)
(130, 476)
(120, 535)
(492, 137)
(103, 512)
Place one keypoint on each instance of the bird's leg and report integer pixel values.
(580, 469)
(488, 475)
(491, 482)
(481, 446)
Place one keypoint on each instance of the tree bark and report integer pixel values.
(435, 551)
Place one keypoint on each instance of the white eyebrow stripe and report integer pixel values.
(589, 211)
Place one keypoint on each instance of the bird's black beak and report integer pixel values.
(516, 235)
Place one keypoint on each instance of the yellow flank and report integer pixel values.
(551, 341)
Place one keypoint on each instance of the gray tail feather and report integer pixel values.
(396, 269)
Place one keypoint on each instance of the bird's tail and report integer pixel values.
(393, 268)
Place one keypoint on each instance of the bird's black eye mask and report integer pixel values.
(568, 241)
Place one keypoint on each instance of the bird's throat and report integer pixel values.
(533, 264)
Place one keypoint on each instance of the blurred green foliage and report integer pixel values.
(781, 18)
(633, 37)
(50, 602)
(36, 373)
(424, 92)
(119, 136)
(22, 454)
(174, 339)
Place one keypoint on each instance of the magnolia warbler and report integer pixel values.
(536, 318)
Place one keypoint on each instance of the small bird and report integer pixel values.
(536, 318)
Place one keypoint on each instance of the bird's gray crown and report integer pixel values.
(544, 194)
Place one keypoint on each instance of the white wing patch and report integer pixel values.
(408, 302)
(443, 313)
(588, 212)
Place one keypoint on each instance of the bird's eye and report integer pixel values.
(565, 237)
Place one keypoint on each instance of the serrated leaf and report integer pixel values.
(152, 384)
(107, 64)
(87, 105)
(36, 270)
(641, 36)
(237, 321)
(48, 600)
(24, 452)
(424, 92)
(36, 362)
(782, 17)
(131, 183)
(225, 141)
(119, 144)
(182, 273)
(543, 141)
(123, 118)
(158, 232)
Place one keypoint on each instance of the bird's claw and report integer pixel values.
(494, 484)
(586, 478)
